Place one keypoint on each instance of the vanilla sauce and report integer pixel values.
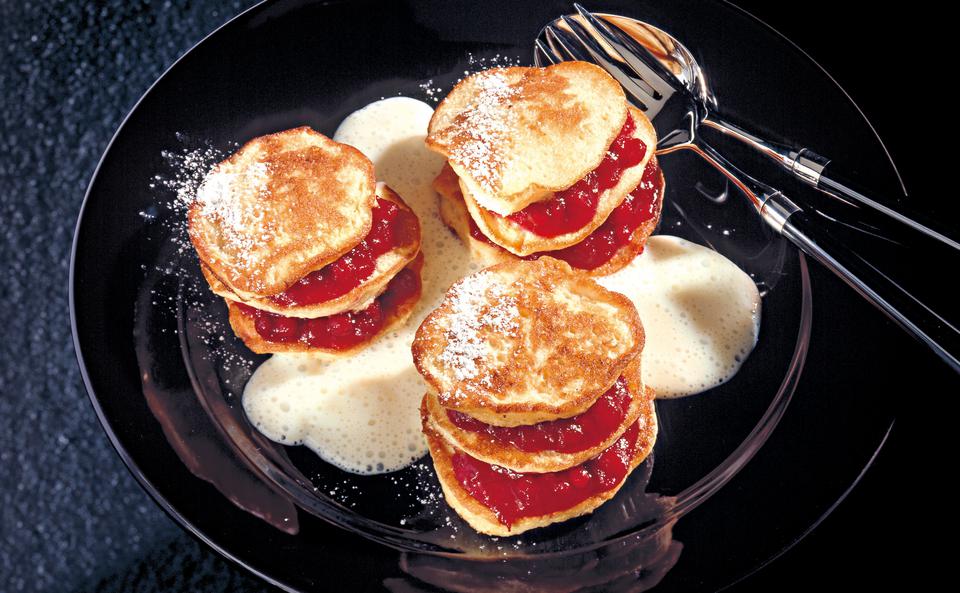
(361, 413)
(700, 313)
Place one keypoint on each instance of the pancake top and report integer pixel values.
(280, 207)
(406, 233)
(515, 135)
(519, 241)
(528, 341)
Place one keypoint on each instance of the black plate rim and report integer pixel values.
(826, 513)
(195, 532)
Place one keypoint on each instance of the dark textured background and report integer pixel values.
(72, 516)
(73, 519)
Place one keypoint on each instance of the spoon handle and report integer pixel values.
(821, 173)
(907, 298)
(878, 255)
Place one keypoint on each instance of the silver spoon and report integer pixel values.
(661, 77)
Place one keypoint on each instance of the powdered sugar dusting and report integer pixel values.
(433, 92)
(229, 194)
(477, 303)
(483, 128)
(233, 198)
(187, 168)
(219, 192)
(174, 189)
(490, 61)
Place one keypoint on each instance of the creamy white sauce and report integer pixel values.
(700, 312)
(361, 413)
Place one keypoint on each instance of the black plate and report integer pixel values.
(294, 63)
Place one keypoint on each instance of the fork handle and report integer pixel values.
(878, 255)
(821, 173)
(903, 296)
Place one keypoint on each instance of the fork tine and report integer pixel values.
(566, 50)
(646, 96)
(646, 66)
(588, 35)
(542, 54)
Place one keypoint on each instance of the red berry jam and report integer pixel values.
(391, 227)
(640, 205)
(569, 435)
(344, 330)
(513, 495)
(574, 207)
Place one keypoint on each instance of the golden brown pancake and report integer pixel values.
(491, 451)
(453, 212)
(516, 135)
(523, 342)
(520, 241)
(281, 206)
(388, 265)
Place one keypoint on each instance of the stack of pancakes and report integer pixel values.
(536, 411)
(547, 161)
(309, 251)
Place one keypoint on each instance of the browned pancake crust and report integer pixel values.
(520, 241)
(283, 205)
(388, 265)
(454, 214)
(483, 519)
(509, 131)
(493, 452)
(543, 343)
(245, 328)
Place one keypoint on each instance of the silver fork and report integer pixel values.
(678, 102)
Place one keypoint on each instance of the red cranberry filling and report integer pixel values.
(344, 330)
(513, 495)
(391, 227)
(569, 435)
(574, 207)
(640, 205)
